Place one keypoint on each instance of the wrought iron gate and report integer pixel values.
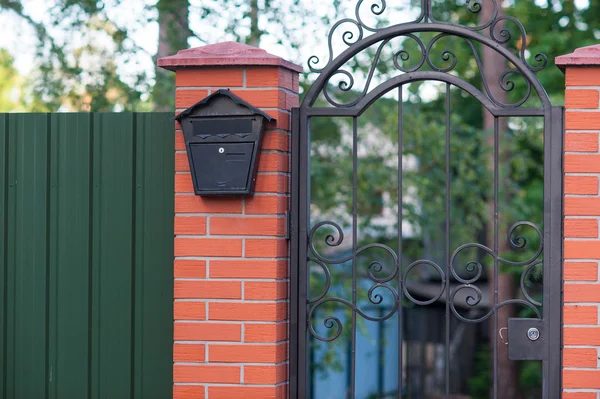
(326, 311)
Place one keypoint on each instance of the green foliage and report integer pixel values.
(15, 89)
(479, 384)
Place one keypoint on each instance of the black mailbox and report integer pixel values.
(223, 135)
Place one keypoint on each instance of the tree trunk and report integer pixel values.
(173, 32)
(507, 378)
(255, 32)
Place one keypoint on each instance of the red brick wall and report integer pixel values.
(581, 371)
(231, 257)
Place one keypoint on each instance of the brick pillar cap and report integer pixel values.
(584, 56)
(224, 54)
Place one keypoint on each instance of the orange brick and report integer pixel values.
(196, 204)
(189, 352)
(179, 141)
(581, 228)
(248, 268)
(581, 379)
(206, 373)
(183, 183)
(188, 392)
(266, 248)
(276, 140)
(265, 332)
(181, 162)
(267, 204)
(274, 162)
(275, 353)
(247, 311)
(282, 120)
(265, 290)
(272, 183)
(582, 206)
(189, 311)
(589, 336)
(581, 142)
(265, 374)
(573, 357)
(582, 249)
(269, 77)
(266, 226)
(582, 293)
(582, 185)
(581, 271)
(576, 163)
(187, 98)
(190, 225)
(263, 98)
(582, 120)
(577, 76)
(193, 289)
(292, 100)
(217, 392)
(578, 98)
(221, 77)
(580, 314)
(579, 395)
(207, 332)
(208, 247)
(190, 268)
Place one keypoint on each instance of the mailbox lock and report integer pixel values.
(533, 334)
(221, 150)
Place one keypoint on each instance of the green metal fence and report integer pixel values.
(86, 250)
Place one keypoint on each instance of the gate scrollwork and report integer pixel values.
(490, 32)
(333, 323)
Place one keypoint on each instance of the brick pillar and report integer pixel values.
(581, 366)
(231, 257)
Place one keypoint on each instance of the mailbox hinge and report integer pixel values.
(288, 225)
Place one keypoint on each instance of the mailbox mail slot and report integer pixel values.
(222, 167)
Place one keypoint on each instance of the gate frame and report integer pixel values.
(553, 180)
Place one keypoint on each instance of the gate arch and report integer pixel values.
(548, 313)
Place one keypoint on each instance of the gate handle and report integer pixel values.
(501, 337)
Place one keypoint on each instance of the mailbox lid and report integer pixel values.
(221, 168)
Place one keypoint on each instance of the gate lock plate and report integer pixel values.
(526, 339)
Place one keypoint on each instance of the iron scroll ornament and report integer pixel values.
(335, 325)
(492, 34)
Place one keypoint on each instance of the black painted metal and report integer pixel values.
(304, 251)
(222, 136)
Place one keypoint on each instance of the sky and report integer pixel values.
(19, 39)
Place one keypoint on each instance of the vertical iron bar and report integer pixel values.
(494, 336)
(553, 256)
(302, 230)
(380, 354)
(295, 267)
(447, 248)
(354, 245)
(400, 277)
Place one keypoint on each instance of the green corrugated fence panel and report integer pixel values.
(153, 368)
(86, 245)
(112, 258)
(69, 255)
(3, 241)
(28, 252)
